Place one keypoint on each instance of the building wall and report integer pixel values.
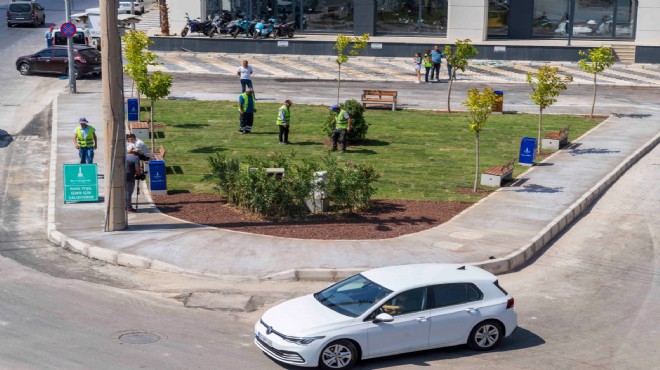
(648, 23)
(178, 10)
(467, 19)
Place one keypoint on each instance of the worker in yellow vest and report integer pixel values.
(246, 108)
(284, 121)
(342, 123)
(84, 138)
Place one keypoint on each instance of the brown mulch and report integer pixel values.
(386, 219)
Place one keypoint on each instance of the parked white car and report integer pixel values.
(387, 311)
(125, 7)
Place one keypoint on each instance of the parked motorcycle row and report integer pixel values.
(225, 25)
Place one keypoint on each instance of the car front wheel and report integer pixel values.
(340, 354)
(25, 69)
(486, 336)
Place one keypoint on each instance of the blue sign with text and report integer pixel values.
(133, 109)
(157, 177)
(527, 151)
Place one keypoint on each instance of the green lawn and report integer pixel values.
(419, 154)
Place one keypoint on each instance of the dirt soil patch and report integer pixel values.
(386, 219)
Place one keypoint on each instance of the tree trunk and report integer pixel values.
(338, 82)
(476, 170)
(538, 139)
(451, 80)
(164, 18)
(593, 103)
(151, 128)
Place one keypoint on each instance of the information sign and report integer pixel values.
(133, 109)
(81, 183)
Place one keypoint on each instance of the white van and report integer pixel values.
(80, 38)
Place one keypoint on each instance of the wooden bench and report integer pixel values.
(556, 139)
(158, 154)
(496, 174)
(379, 97)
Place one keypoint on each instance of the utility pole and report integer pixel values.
(69, 46)
(133, 14)
(113, 117)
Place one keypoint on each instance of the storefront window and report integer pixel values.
(626, 13)
(412, 16)
(550, 18)
(328, 15)
(498, 18)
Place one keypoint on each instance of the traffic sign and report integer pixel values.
(81, 183)
(68, 29)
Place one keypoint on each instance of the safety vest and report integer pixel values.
(85, 142)
(342, 123)
(427, 61)
(245, 101)
(287, 115)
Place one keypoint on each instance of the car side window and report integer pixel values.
(452, 294)
(61, 53)
(409, 301)
(43, 54)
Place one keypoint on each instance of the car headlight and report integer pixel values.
(301, 341)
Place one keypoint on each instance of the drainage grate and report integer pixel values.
(26, 138)
(137, 337)
(639, 116)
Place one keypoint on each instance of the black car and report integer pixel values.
(55, 60)
(25, 12)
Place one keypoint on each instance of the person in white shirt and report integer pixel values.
(245, 73)
(141, 147)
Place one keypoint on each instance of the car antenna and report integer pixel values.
(461, 268)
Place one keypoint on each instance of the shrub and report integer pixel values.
(349, 187)
(359, 125)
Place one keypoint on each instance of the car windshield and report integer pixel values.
(89, 53)
(353, 296)
(20, 8)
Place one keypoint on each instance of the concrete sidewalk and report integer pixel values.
(500, 233)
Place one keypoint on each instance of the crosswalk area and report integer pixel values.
(392, 69)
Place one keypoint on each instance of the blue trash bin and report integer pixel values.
(157, 178)
(527, 151)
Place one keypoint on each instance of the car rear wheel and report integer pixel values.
(340, 354)
(486, 336)
(25, 69)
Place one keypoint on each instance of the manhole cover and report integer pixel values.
(138, 337)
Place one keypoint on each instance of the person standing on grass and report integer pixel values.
(84, 138)
(342, 123)
(245, 73)
(418, 66)
(283, 121)
(436, 58)
(428, 64)
(246, 108)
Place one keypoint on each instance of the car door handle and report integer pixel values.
(471, 310)
(422, 318)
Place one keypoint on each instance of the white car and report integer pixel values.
(125, 7)
(387, 311)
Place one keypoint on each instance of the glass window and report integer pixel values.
(593, 18)
(328, 15)
(412, 16)
(353, 296)
(625, 18)
(550, 18)
(409, 301)
(453, 294)
(498, 18)
(43, 54)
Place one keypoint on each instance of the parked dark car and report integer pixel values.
(55, 60)
(25, 12)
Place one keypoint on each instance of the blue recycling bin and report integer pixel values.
(527, 151)
(157, 178)
(133, 109)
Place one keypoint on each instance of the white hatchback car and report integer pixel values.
(386, 311)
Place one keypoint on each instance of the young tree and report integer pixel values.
(358, 44)
(546, 86)
(155, 85)
(596, 61)
(480, 106)
(458, 57)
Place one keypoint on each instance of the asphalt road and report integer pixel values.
(590, 301)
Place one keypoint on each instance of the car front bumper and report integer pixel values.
(289, 353)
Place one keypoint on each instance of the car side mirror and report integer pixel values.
(383, 317)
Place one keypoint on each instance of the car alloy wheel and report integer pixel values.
(485, 336)
(339, 354)
(25, 69)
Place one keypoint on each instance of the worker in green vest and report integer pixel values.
(84, 138)
(247, 108)
(283, 121)
(342, 123)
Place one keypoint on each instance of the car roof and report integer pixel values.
(403, 277)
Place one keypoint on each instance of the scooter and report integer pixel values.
(196, 26)
(244, 25)
(284, 29)
(263, 30)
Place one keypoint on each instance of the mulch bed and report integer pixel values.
(386, 219)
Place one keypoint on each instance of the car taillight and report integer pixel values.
(34, 14)
(86, 40)
(8, 16)
(83, 61)
(510, 302)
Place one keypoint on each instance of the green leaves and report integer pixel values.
(597, 59)
(359, 44)
(359, 125)
(462, 52)
(154, 86)
(546, 85)
(480, 105)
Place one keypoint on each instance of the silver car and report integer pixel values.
(25, 12)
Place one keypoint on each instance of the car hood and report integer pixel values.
(303, 316)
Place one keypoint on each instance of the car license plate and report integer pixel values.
(264, 339)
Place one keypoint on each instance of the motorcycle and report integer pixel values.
(244, 25)
(263, 30)
(220, 25)
(284, 29)
(196, 26)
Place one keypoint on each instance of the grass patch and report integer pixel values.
(420, 155)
